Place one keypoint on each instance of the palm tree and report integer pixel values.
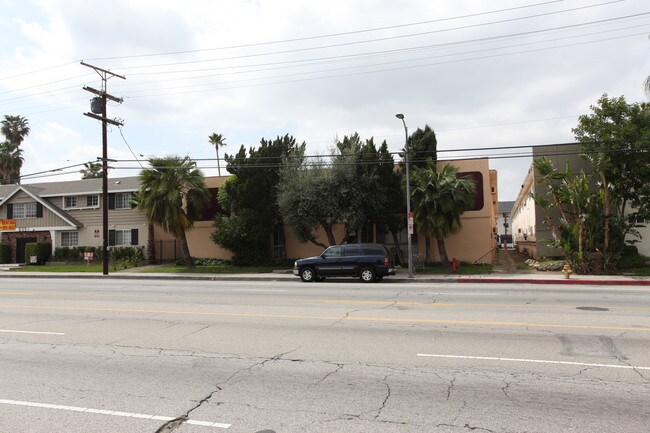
(92, 170)
(217, 140)
(172, 194)
(11, 160)
(439, 199)
(15, 129)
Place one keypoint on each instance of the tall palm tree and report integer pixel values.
(11, 160)
(15, 129)
(172, 194)
(217, 140)
(439, 199)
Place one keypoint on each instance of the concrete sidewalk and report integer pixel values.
(402, 277)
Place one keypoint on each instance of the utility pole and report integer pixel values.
(98, 106)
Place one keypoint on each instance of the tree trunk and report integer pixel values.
(400, 256)
(427, 247)
(442, 250)
(186, 251)
(330, 234)
(151, 243)
(218, 165)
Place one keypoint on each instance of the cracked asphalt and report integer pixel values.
(182, 357)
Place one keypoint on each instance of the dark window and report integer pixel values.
(212, 208)
(477, 178)
(373, 250)
(352, 250)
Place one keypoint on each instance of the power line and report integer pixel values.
(333, 34)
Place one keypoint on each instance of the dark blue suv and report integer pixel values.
(369, 262)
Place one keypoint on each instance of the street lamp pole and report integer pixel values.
(409, 217)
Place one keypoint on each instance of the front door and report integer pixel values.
(20, 248)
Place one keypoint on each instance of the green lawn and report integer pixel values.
(463, 269)
(208, 269)
(61, 268)
(170, 269)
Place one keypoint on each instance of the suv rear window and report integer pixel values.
(374, 250)
(352, 250)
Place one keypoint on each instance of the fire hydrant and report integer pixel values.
(454, 265)
(566, 270)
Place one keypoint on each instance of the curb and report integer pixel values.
(600, 282)
(290, 278)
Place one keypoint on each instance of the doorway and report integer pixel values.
(20, 248)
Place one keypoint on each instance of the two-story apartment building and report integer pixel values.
(69, 214)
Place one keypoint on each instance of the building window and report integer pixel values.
(123, 201)
(92, 201)
(70, 202)
(123, 237)
(24, 210)
(69, 239)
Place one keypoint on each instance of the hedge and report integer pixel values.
(41, 250)
(5, 253)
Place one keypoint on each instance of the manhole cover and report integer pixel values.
(592, 308)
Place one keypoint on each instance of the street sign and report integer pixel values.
(7, 225)
(411, 228)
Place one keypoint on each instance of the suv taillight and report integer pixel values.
(386, 261)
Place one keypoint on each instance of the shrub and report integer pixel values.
(41, 250)
(127, 256)
(5, 253)
(200, 262)
(633, 261)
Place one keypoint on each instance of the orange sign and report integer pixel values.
(7, 225)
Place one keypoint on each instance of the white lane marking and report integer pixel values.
(32, 332)
(110, 412)
(463, 294)
(257, 290)
(538, 361)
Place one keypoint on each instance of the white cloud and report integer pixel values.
(487, 93)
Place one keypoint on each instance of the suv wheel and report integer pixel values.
(367, 275)
(307, 274)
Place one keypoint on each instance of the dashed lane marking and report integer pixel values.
(538, 361)
(31, 332)
(110, 412)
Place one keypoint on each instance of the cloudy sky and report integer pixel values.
(491, 75)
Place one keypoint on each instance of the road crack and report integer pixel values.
(171, 425)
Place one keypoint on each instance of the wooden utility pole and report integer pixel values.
(102, 96)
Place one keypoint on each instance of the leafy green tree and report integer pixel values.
(308, 199)
(615, 139)
(440, 198)
(217, 140)
(172, 194)
(575, 215)
(353, 189)
(250, 196)
(423, 146)
(361, 201)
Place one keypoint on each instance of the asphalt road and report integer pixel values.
(103, 355)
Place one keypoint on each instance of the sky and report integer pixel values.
(490, 78)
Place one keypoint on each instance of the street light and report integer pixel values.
(409, 216)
